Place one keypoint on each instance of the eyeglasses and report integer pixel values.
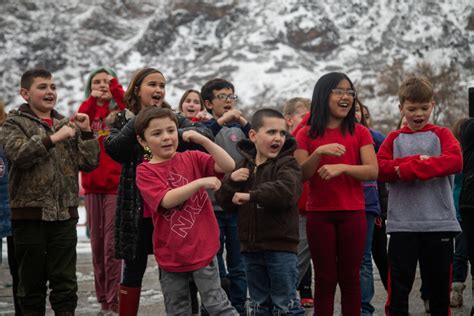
(225, 97)
(341, 92)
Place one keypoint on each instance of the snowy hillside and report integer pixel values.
(271, 50)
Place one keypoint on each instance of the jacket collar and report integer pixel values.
(26, 109)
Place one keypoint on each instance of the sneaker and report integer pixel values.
(457, 294)
(427, 306)
(307, 302)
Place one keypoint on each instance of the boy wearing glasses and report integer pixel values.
(228, 126)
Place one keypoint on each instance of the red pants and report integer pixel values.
(336, 240)
(101, 216)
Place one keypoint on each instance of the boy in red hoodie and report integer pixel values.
(419, 161)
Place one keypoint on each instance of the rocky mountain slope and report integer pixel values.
(271, 50)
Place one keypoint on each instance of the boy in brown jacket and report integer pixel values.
(46, 152)
(265, 189)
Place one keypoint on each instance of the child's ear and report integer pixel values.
(253, 135)
(289, 121)
(25, 94)
(208, 104)
(141, 141)
(400, 107)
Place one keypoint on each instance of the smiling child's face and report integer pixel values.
(152, 90)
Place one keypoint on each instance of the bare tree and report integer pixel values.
(449, 94)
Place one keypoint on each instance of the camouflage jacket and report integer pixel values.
(43, 177)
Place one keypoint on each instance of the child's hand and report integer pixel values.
(109, 78)
(397, 170)
(203, 116)
(193, 136)
(328, 172)
(333, 149)
(229, 116)
(240, 198)
(211, 183)
(240, 175)
(96, 93)
(63, 133)
(82, 121)
(424, 157)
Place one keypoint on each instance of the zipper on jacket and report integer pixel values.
(253, 217)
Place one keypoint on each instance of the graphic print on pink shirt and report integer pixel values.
(182, 219)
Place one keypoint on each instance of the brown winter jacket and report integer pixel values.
(269, 222)
(43, 177)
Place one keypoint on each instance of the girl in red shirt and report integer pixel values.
(336, 155)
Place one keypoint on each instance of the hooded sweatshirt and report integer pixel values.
(104, 179)
(269, 221)
(421, 194)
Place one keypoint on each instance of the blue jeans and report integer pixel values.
(366, 270)
(272, 278)
(461, 256)
(235, 271)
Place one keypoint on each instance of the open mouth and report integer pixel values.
(48, 99)
(343, 104)
(156, 97)
(418, 121)
(191, 110)
(227, 108)
(275, 146)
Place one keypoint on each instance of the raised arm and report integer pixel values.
(121, 141)
(224, 162)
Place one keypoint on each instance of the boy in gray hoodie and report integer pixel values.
(419, 161)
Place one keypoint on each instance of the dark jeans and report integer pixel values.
(235, 271)
(133, 270)
(272, 278)
(366, 270)
(379, 249)
(46, 251)
(436, 251)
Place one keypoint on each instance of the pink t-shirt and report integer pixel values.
(185, 238)
(342, 192)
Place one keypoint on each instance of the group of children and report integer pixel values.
(185, 186)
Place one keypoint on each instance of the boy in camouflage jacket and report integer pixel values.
(46, 152)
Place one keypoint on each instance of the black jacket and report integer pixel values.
(269, 222)
(466, 199)
(122, 145)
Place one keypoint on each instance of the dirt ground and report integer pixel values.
(151, 302)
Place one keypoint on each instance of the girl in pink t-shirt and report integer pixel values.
(336, 155)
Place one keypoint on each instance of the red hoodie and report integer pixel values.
(105, 178)
(304, 195)
(411, 166)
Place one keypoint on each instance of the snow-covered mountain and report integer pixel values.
(271, 50)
